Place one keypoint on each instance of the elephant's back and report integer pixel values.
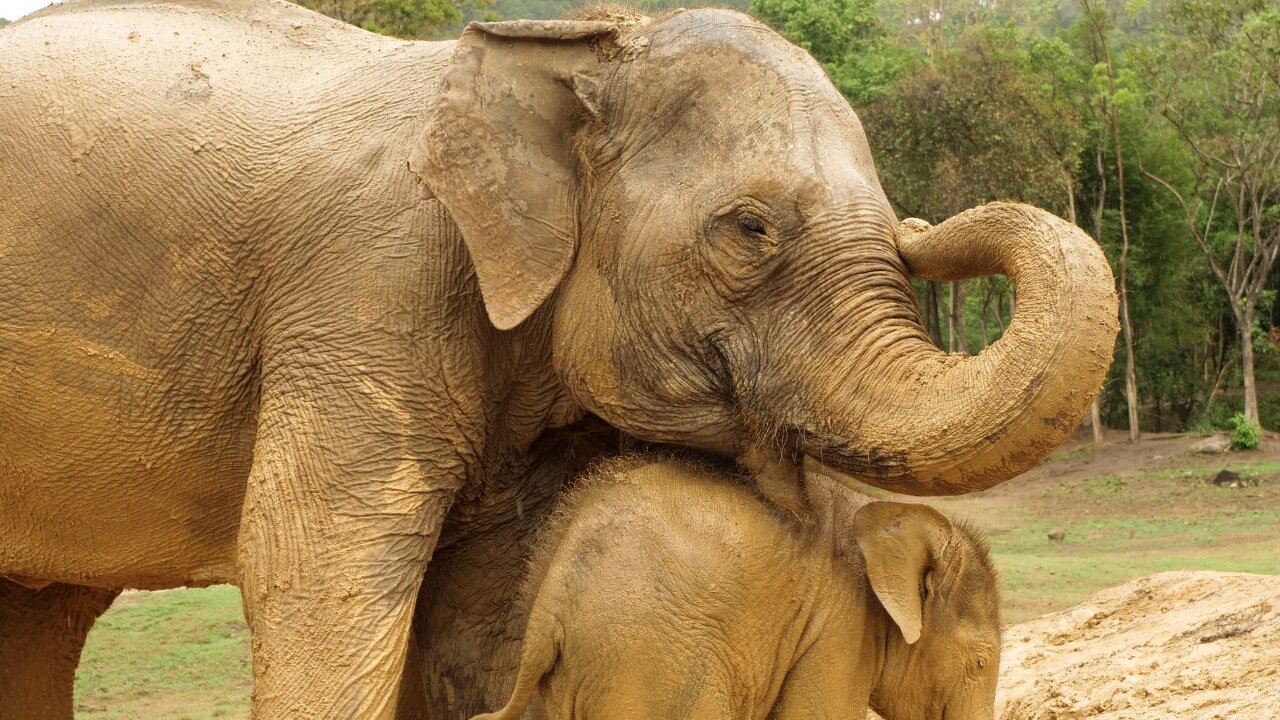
(148, 142)
(259, 17)
(676, 502)
(701, 532)
(100, 66)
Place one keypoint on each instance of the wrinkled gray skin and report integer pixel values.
(669, 590)
(275, 291)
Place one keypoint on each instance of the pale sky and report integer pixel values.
(14, 9)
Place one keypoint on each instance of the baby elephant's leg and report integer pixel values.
(541, 649)
(41, 635)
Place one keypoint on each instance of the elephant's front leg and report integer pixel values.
(344, 505)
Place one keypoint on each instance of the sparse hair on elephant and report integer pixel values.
(671, 589)
(624, 16)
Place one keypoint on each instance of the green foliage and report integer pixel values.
(400, 18)
(1009, 101)
(1244, 434)
(988, 110)
(847, 36)
(1269, 410)
(1217, 415)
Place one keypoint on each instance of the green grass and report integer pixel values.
(1041, 575)
(1123, 526)
(178, 655)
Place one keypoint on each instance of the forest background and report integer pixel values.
(1154, 125)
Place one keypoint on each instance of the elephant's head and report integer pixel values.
(935, 580)
(696, 206)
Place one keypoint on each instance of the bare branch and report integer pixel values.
(1191, 223)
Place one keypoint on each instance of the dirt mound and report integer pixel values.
(1184, 645)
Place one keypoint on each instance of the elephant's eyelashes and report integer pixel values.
(740, 246)
(752, 225)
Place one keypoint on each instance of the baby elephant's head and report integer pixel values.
(937, 584)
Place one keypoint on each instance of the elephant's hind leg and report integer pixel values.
(41, 635)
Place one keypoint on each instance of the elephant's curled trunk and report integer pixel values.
(925, 422)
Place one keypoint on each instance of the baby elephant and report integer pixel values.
(670, 590)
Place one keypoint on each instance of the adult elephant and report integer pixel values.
(273, 290)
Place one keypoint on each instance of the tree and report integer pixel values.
(991, 118)
(415, 19)
(847, 36)
(1215, 80)
(1106, 102)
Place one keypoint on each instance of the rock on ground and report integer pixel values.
(1177, 645)
(1212, 445)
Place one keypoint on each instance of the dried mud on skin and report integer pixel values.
(1177, 645)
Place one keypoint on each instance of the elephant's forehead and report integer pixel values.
(708, 31)
(740, 83)
(737, 65)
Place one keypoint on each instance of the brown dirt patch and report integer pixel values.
(1184, 645)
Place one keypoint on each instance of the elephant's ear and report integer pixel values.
(896, 540)
(498, 152)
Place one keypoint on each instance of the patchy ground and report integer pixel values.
(171, 655)
(1124, 512)
(1172, 646)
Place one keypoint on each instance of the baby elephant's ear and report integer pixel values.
(897, 541)
(498, 152)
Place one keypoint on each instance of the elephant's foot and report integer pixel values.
(41, 635)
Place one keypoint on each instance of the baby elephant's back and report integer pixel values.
(679, 583)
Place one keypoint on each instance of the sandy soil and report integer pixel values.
(1177, 645)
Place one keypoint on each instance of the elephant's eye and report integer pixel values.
(752, 225)
(981, 663)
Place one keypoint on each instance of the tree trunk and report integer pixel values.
(1130, 372)
(1246, 365)
(1095, 419)
(932, 318)
(982, 316)
(958, 341)
(1095, 409)
(1126, 326)
(1108, 111)
(1217, 382)
(1000, 311)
